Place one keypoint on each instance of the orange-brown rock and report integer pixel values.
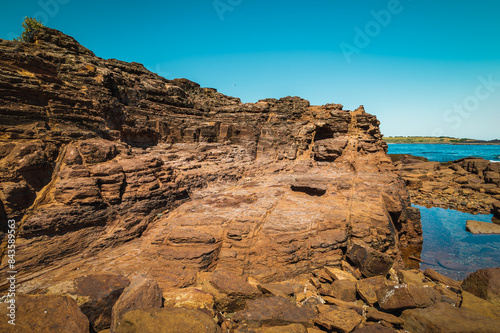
(110, 169)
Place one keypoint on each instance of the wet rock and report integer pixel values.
(167, 320)
(484, 283)
(339, 319)
(445, 318)
(44, 314)
(141, 294)
(479, 227)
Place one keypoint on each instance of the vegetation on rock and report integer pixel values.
(30, 25)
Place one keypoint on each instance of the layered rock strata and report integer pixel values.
(109, 168)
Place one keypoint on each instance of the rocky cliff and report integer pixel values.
(109, 168)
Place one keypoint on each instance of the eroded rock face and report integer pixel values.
(470, 185)
(108, 167)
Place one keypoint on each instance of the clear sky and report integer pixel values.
(422, 67)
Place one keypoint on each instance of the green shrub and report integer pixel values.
(30, 25)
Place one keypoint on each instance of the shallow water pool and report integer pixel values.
(452, 251)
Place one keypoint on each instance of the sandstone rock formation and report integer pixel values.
(470, 185)
(110, 170)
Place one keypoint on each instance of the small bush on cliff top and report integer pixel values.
(30, 25)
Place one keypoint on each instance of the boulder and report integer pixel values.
(484, 283)
(43, 314)
(344, 290)
(273, 311)
(95, 294)
(445, 318)
(375, 315)
(479, 227)
(403, 296)
(371, 262)
(435, 276)
(337, 319)
(367, 288)
(167, 320)
(142, 293)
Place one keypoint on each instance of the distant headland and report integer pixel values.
(440, 139)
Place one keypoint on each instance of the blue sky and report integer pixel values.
(422, 67)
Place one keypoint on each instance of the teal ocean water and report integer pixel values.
(452, 251)
(446, 152)
(448, 248)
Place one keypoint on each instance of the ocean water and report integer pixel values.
(452, 251)
(446, 152)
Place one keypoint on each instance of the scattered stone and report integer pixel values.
(484, 283)
(369, 261)
(367, 288)
(142, 293)
(343, 304)
(95, 294)
(167, 320)
(344, 290)
(411, 277)
(342, 320)
(338, 274)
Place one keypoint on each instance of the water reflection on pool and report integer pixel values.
(452, 251)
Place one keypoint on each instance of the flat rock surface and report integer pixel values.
(478, 227)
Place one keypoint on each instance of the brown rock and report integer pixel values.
(367, 288)
(344, 290)
(373, 314)
(341, 320)
(404, 296)
(484, 283)
(480, 305)
(338, 274)
(376, 328)
(478, 227)
(370, 262)
(273, 311)
(444, 318)
(167, 320)
(44, 314)
(435, 276)
(292, 328)
(95, 295)
(190, 298)
(411, 277)
(141, 294)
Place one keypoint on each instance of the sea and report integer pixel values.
(448, 248)
(446, 152)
